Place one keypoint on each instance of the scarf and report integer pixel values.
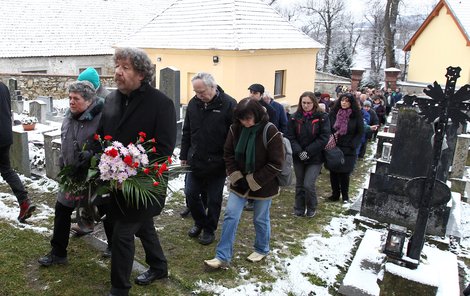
(307, 114)
(342, 119)
(246, 148)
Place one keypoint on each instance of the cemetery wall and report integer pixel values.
(57, 65)
(33, 85)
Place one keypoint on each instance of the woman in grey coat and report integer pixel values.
(79, 125)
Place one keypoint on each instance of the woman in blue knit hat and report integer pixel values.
(91, 75)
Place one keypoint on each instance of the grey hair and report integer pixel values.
(206, 78)
(139, 60)
(267, 94)
(84, 88)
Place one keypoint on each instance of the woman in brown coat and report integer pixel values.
(252, 169)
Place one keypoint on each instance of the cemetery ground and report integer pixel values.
(87, 273)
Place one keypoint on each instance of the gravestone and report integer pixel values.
(19, 153)
(51, 153)
(385, 199)
(12, 86)
(38, 109)
(49, 104)
(170, 85)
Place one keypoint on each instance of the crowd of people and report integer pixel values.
(222, 142)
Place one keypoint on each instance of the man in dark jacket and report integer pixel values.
(137, 107)
(208, 119)
(6, 140)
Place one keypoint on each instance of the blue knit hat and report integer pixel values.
(90, 75)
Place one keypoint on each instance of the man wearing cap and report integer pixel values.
(256, 92)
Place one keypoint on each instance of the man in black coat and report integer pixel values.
(206, 124)
(137, 107)
(6, 140)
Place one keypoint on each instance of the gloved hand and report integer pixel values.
(303, 155)
(84, 157)
(242, 184)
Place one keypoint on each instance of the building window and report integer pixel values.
(35, 71)
(279, 80)
(98, 69)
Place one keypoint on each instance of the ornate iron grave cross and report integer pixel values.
(427, 193)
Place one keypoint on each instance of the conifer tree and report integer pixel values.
(342, 62)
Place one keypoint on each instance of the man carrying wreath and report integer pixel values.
(137, 107)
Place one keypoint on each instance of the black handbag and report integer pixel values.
(334, 157)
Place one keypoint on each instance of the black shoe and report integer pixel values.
(249, 206)
(311, 213)
(150, 276)
(51, 259)
(185, 213)
(206, 238)
(195, 231)
(298, 213)
(107, 253)
(333, 198)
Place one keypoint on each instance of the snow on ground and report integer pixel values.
(323, 257)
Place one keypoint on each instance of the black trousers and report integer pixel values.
(62, 223)
(123, 251)
(207, 216)
(10, 176)
(340, 184)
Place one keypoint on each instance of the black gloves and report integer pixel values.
(242, 184)
(84, 158)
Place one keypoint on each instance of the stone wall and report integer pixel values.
(326, 82)
(33, 85)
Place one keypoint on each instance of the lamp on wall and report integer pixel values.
(215, 59)
(395, 241)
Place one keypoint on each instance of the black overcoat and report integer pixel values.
(150, 111)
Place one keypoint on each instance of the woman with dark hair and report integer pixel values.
(252, 168)
(347, 125)
(308, 130)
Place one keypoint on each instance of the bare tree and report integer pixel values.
(374, 39)
(390, 23)
(330, 13)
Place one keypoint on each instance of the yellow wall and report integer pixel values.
(237, 70)
(440, 45)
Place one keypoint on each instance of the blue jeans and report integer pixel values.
(232, 215)
(305, 187)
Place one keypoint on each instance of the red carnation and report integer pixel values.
(156, 183)
(169, 160)
(146, 171)
(153, 140)
(162, 168)
(112, 152)
(142, 135)
(154, 150)
(136, 164)
(155, 166)
(96, 137)
(128, 160)
(108, 138)
(141, 140)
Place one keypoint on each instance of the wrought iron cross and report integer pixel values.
(426, 193)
